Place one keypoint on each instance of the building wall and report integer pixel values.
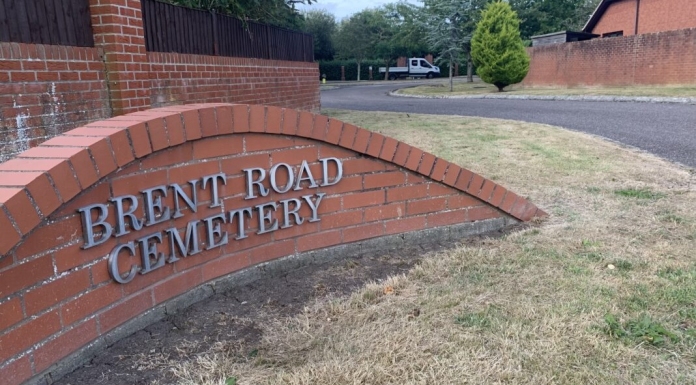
(620, 16)
(660, 58)
(47, 90)
(654, 16)
(179, 78)
(666, 15)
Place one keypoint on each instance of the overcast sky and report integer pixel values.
(343, 8)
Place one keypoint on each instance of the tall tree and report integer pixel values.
(354, 39)
(545, 16)
(322, 25)
(497, 48)
(402, 33)
(449, 26)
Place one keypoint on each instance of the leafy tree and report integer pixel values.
(449, 25)
(276, 12)
(322, 25)
(538, 17)
(400, 33)
(354, 39)
(497, 48)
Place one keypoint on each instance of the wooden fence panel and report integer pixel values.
(171, 28)
(57, 22)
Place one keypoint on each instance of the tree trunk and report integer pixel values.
(358, 70)
(451, 64)
(469, 68)
(386, 73)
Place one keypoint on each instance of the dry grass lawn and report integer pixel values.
(604, 292)
(479, 88)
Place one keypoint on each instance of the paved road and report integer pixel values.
(668, 130)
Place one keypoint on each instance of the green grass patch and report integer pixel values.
(639, 330)
(642, 193)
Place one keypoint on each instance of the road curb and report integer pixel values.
(574, 98)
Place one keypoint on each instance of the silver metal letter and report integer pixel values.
(291, 178)
(148, 250)
(240, 221)
(250, 182)
(88, 226)
(215, 202)
(121, 215)
(113, 263)
(213, 230)
(304, 169)
(325, 167)
(265, 216)
(163, 214)
(287, 212)
(188, 246)
(179, 193)
(314, 205)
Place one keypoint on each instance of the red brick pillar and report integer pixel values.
(118, 30)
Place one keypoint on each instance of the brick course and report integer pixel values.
(56, 298)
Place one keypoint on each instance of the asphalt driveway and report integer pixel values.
(667, 130)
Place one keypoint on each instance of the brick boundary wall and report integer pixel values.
(665, 58)
(47, 90)
(56, 298)
(180, 78)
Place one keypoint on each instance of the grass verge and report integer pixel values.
(603, 293)
(479, 88)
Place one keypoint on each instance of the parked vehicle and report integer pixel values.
(417, 67)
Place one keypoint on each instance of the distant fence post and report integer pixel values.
(343, 73)
(216, 49)
(118, 30)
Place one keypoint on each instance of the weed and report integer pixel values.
(642, 193)
(594, 190)
(481, 319)
(643, 329)
(623, 265)
(673, 218)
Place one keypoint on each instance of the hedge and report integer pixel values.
(332, 69)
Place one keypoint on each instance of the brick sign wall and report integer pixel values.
(112, 219)
(659, 58)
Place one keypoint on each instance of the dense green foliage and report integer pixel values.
(449, 25)
(276, 12)
(384, 33)
(441, 27)
(322, 25)
(497, 49)
(538, 17)
(332, 69)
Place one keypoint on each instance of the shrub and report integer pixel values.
(496, 47)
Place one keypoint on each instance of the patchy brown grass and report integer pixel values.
(480, 88)
(603, 293)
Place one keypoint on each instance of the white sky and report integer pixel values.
(343, 8)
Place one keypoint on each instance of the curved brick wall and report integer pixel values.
(56, 294)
